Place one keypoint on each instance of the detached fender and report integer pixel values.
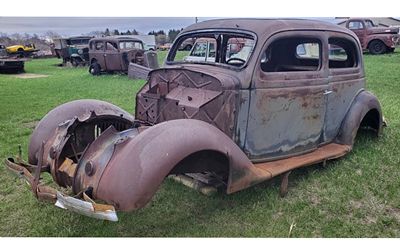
(82, 109)
(365, 105)
(139, 165)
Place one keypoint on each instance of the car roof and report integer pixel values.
(266, 27)
(116, 38)
(79, 37)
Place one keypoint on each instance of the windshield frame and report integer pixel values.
(182, 37)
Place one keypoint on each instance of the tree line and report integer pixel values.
(44, 40)
(161, 36)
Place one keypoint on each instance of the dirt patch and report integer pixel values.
(29, 76)
(375, 208)
(393, 211)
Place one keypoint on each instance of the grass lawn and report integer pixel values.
(356, 196)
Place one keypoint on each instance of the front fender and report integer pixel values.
(140, 163)
(385, 38)
(81, 109)
(362, 104)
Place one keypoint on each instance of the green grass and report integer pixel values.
(356, 196)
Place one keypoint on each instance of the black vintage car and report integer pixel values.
(10, 64)
(74, 50)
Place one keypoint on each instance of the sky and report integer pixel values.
(67, 26)
(80, 25)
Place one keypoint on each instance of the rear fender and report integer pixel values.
(365, 105)
(140, 163)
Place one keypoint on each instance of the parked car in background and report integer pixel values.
(278, 103)
(204, 49)
(110, 54)
(377, 40)
(187, 44)
(165, 46)
(22, 50)
(73, 50)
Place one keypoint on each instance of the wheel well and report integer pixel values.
(371, 120)
(376, 39)
(93, 61)
(204, 161)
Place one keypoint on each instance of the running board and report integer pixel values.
(259, 172)
(285, 166)
(321, 154)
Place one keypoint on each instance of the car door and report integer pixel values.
(346, 80)
(112, 56)
(97, 53)
(287, 97)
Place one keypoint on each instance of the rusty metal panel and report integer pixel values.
(183, 94)
(151, 60)
(242, 118)
(338, 103)
(285, 121)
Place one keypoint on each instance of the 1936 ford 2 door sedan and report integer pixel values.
(290, 94)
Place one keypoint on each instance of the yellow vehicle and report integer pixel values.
(21, 49)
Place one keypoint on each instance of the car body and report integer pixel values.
(280, 101)
(187, 45)
(377, 40)
(73, 49)
(114, 53)
(10, 63)
(22, 50)
(165, 46)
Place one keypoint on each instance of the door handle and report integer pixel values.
(327, 92)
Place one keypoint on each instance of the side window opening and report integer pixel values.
(99, 45)
(356, 25)
(111, 46)
(369, 24)
(292, 54)
(342, 53)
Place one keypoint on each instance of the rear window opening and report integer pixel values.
(342, 53)
(292, 54)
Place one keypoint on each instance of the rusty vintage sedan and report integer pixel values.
(291, 95)
(115, 53)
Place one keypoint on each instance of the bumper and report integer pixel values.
(396, 41)
(87, 208)
(84, 206)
